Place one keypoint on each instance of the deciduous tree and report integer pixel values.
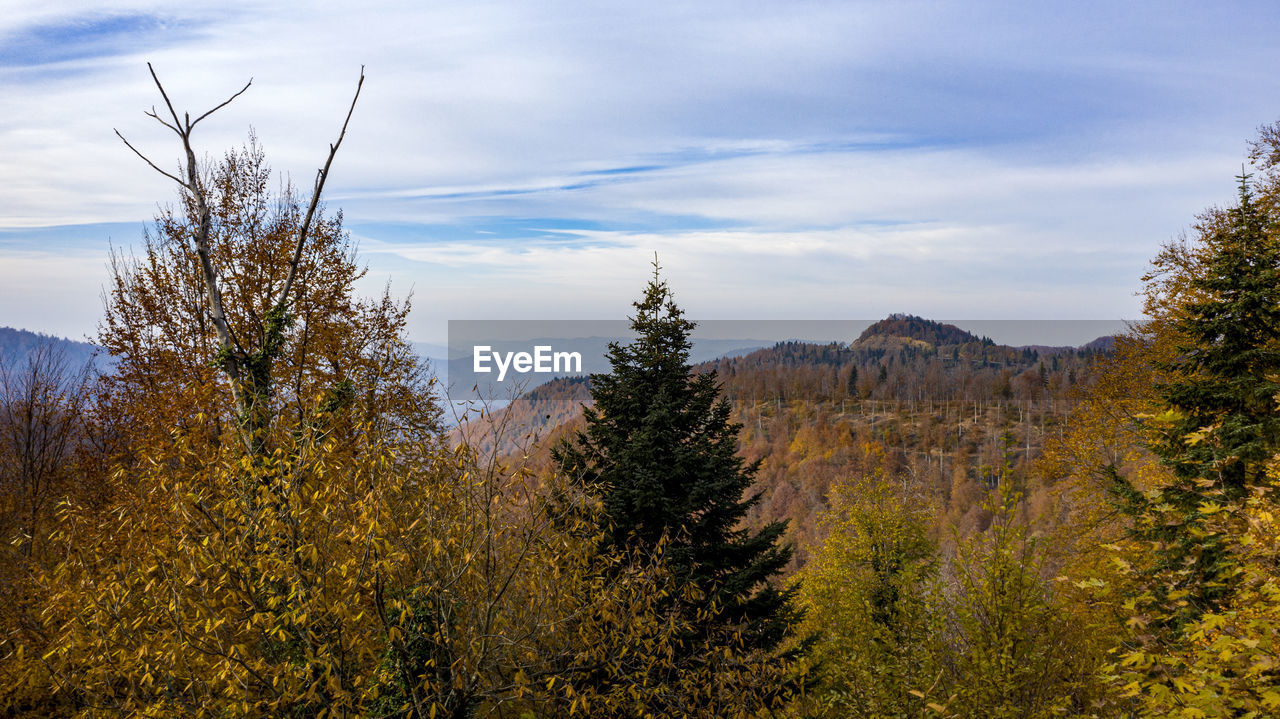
(872, 602)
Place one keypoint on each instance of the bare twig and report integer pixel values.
(147, 160)
(152, 114)
(224, 104)
(321, 176)
(165, 95)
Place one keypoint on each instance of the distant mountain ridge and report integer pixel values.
(890, 336)
(17, 345)
(902, 341)
(942, 404)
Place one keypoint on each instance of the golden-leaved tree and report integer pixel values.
(42, 461)
(903, 627)
(240, 347)
(871, 603)
(276, 353)
(1015, 644)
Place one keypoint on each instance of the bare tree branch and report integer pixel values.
(148, 161)
(224, 104)
(203, 227)
(165, 96)
(152, 114)
(321, 176)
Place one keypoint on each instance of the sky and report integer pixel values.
(525, 160)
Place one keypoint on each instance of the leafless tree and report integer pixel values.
(42, 403)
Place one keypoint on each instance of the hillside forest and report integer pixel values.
(252, 505)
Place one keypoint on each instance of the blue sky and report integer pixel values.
(786, 160)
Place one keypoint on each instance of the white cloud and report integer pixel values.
(939, 271)
(1077, 137)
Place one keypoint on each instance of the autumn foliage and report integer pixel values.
(279, 527)
(255, 511)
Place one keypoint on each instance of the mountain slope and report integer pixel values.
(16, 346)
(953, 420)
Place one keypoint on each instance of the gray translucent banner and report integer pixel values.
(500, 360)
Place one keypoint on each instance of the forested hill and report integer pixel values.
(904, 358)
(898, 358)
(952, 412)
(17, 345)
(917, 328)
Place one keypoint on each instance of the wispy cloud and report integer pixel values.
(87, 37)
(781, 156)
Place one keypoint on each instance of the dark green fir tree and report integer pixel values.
(1223, 423)
(1227, 376)
(660, 451)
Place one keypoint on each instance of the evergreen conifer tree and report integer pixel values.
(660, 451)
(1226, 379)
(1222, 424)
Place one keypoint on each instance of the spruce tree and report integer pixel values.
(1223, 422)
(1225, 379)
(660, 451)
